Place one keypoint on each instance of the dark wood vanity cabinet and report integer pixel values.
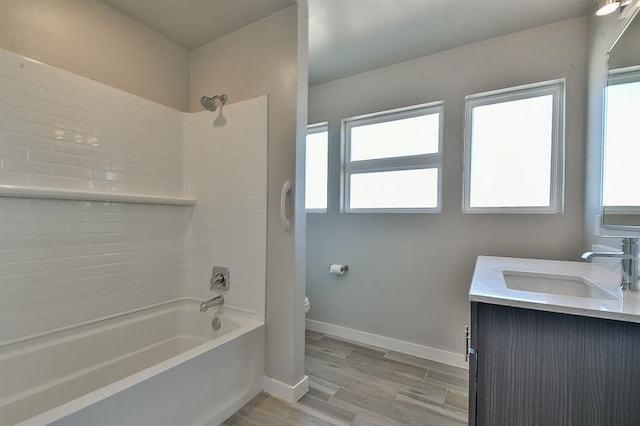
(550, 369)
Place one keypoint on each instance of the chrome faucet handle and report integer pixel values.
(630, 273)
(219, 278)
(628, 255)
(630, 245)
(624, 238)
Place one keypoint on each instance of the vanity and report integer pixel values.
(556, 343)
(552, 343)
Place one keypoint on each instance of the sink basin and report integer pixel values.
(563, 285)
(578, 288)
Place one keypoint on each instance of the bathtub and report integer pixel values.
(162, 365)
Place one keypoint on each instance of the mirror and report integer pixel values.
(621, 179)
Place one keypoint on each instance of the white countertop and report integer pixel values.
(489, 286)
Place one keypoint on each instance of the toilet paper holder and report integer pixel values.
(337, 269)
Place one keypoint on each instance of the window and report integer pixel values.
(514, 150)
(316, 168)
(622, 134)
(393, 160)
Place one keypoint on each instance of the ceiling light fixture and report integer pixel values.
(606, 7)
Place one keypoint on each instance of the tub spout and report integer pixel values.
(218, 300)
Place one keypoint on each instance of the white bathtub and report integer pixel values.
(164, 365)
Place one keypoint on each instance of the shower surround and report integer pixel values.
(69, 263)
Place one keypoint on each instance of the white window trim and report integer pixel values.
(311, 130)
(556, 88)
(318, 127)
(615, 77)
(624, 75)
(413, 162)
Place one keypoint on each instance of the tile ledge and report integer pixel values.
(43, 192)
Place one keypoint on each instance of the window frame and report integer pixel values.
(615, 77)
(556, 88)
(390, 164)
(623, 75)
(312, 129)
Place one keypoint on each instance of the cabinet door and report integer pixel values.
(543, 368)
(473, 364)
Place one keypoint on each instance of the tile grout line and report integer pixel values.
(424, 379)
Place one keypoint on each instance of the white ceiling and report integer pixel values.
(347, 37)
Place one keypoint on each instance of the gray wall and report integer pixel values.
(94, 40)
(260, 59)
(410, 273)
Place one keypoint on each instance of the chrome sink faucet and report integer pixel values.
(218, 300)
(629, 256)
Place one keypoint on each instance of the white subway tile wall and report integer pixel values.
(62, 130)
(226, 170)
(65, 262)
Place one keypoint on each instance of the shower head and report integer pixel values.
(209, 103)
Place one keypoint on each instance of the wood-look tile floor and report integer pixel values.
(355, 384)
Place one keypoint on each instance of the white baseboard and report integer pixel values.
(284, 391)
(409, 348)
